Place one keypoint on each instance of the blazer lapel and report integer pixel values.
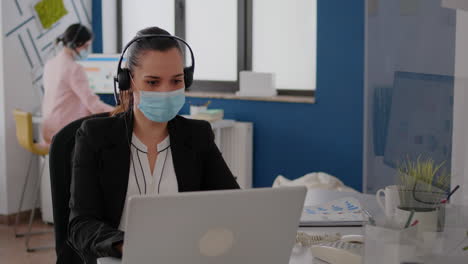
(116, 156)
(184, 157)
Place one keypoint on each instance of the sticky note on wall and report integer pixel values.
(50, 12)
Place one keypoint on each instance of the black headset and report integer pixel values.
(123, 74)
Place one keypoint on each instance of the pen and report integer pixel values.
(369, 216)
(409, 219)
(450, 194)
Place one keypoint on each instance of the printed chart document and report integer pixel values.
(341, 212)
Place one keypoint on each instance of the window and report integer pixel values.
(213, 35)
(145, 14)
(284, 41)
(230, 36)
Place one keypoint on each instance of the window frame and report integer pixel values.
(244, 48)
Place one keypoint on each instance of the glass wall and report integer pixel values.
(409, 93)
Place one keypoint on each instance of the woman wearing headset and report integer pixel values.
(143, 148)
(67, 94)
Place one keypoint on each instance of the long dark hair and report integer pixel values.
(75, 36)
(134, 53)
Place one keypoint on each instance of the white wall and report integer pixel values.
(3, 187)
(460, 117)
(109, 27)
(17, 88)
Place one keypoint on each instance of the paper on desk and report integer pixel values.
(341, 212)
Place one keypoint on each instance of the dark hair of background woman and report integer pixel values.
(75, 36)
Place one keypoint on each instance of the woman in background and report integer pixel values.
(67, 93)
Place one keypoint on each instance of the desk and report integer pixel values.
(301, 255)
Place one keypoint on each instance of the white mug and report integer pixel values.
(392, 200)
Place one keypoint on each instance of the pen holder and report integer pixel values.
(425, 220)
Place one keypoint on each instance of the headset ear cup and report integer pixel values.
(124, 80)
(188, 77)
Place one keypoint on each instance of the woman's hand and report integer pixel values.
(119, 247)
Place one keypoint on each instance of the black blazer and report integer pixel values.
(101, 165)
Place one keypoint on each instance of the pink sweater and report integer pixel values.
(67, 95)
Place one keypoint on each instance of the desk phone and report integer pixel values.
(347, 250)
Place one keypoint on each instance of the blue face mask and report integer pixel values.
(161, 106)
(82, 55)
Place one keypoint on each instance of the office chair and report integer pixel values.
(60, 164)
(24, 134)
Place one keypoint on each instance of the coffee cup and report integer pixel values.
(388, 199)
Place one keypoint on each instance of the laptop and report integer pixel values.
(230, 227)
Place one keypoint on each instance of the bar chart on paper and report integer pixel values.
(341, 212)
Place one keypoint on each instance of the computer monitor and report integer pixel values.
(101, 69)
(421, 118)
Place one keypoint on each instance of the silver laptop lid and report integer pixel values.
(235, 226)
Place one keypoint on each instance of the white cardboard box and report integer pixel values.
(256, 84)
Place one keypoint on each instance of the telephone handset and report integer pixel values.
(348, 250)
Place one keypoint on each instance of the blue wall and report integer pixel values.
(97, 26)
(294, 139)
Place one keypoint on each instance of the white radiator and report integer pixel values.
(237, 149)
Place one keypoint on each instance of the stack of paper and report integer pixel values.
(341, 212)
(209, 115)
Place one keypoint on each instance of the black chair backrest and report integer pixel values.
(60, 164)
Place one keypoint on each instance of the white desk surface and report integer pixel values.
(301, 255)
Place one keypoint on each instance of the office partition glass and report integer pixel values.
(410, 87)
(284, 41)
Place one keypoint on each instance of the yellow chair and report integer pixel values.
(24, 134)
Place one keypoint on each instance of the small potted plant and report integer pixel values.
(422, 188)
